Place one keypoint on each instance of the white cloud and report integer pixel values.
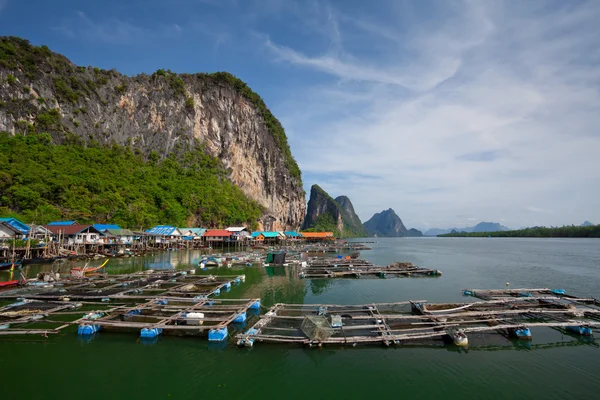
(113, 30)
(492, 112)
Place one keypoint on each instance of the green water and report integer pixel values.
(555, 366)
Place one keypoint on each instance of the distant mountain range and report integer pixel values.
(480, 227)
(587, 223)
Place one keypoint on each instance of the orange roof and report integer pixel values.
(217, 233)
(315, 235)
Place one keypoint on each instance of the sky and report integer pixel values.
(449, 112)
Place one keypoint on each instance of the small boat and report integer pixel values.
(7, 284)
(5, 266)
(80, 272)
(459, 338)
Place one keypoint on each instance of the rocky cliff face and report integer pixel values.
(385, 224)
(323, 212)
(327, 214)
(157, 114)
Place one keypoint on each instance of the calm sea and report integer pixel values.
(553, 366)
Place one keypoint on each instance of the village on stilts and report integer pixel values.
(189, 302)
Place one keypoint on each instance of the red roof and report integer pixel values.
(69, 229)
(217, 233)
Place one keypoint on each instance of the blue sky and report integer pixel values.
(450, 112)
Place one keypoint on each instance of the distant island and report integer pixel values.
(480, 227)
(591, 231)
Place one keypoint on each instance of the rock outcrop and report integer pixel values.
(327, 214)
(385, 224)
(158, 115)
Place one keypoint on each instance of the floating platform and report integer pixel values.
(172, 316)
(139, 286)
(356, 268)
(418, 322)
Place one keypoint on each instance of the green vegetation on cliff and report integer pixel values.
(40, 182)
(563, 231)
(324, 213)
(75, 86)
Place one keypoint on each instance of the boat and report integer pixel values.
(459, 337)
(7, 284)
(80, 272)
(436, 309)
(5, 266)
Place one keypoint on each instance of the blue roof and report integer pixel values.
(165, 230)
(265, 234)
(195, 231)
(103, 227)
(292, 234)
(15, 223)
(62, 223)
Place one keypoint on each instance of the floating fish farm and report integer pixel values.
(418, 322)
(357, 268)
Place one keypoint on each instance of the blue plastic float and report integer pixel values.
(241, 317)
(255, 305)
(150, 332)
(217, 335)
(87, 329)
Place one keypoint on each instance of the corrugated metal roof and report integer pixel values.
(62, 223)
(119, 232)
(103, 227)
(217, 233)
(292, 234)
(265, 234)
(196, 231)
(15, 223)
(8, 227)
(317, 234)
(235, 228)
(165, 230)
(70, 229)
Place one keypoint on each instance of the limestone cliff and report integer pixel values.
(327, 214)
(385, 224)
(158, 115)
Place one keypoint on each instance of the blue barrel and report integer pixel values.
(87, 329)
(255, 305)
(217, 335)
(150, 332)
(217, 292)
(240, 317)
(227, 286)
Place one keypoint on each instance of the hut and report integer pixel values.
(268, 237)
(7, 231)
(76, 234)
(292, 235)
(238, 232)
(217, 236)
(22, 228)
(165, 233)
(120, 236)
(318, 236)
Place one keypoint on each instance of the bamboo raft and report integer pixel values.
(357, 268)
(419, 322)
